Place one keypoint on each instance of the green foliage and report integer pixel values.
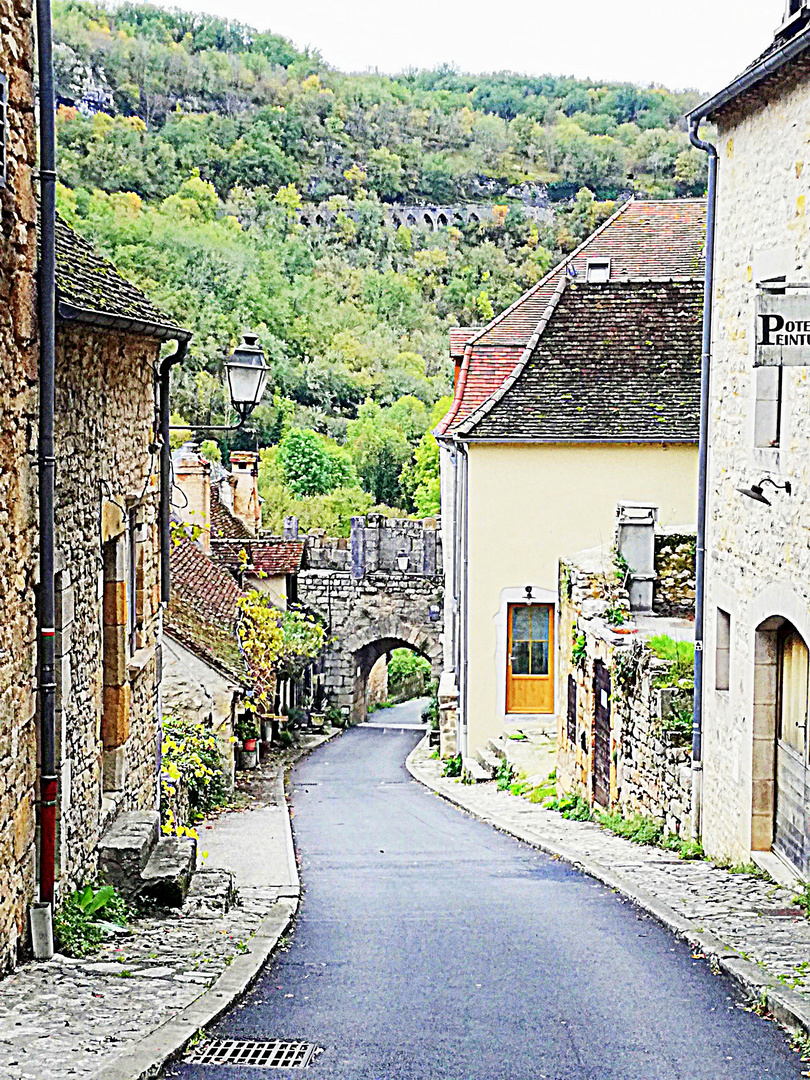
(312, 465)
(680, 654)
(687, 848)
(638, 829)
(452, 766)
(505, 775)
(680, 676)
(573, 807)
(246, 727)
(407, 671)
(430, 713)
(76, 920)
(191, 755)
(579, 647)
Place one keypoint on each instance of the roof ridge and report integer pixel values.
(469, 422)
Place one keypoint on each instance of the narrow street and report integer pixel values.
(431, 947)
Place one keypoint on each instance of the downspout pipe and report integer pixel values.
(46, 304)
(703, 457)
(164, 413)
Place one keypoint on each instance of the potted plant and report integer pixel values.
(246, 730)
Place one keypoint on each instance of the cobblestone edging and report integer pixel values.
(747, 928)
(124, 1012)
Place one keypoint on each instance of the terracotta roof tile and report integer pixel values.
(271, 556)
(224, 525)
(202, 612)
(643, 240)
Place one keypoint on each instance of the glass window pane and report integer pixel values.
(540, 624)
(520, 658)
(539, 658)
(521, 624)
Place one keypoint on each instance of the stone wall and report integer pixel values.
(674, 587)
(18, 478)
(107, 543)
(650, 770)
(375, 544)
(758, 558)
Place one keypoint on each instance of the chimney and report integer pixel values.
(290, 528)
(192, 475)
(635, 543)
(246, 503)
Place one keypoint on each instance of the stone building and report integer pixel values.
(108, 629)
(582, 393)
(18, 477)
(205, 677)
(756, 779)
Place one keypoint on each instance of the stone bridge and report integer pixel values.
(431, 218)
(380, 589)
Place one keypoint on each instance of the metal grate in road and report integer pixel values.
(273, 1054)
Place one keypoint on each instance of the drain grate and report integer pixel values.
(274, 1054)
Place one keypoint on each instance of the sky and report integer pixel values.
(688, 44)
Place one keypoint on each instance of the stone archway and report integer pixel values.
(364, 650)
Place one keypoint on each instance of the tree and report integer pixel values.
(310, 466)
(379, 452)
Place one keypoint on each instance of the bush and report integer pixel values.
(76, 922)
(452, 766)
(191, 756)
(408, 673)
(638, 829)
(573, 807)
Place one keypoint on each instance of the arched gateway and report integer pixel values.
(377, 591)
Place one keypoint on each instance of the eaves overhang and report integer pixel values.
(751, 78)
(162, 331)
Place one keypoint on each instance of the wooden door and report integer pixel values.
(601, 734)
(792, 789)
(529, 667)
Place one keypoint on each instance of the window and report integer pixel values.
(598, 270)
(571, 717)
(722, 650)
(793, 673)
(530, 626)
(3, 127)
(131, 579)
(768, 406)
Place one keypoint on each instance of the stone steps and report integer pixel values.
(138, 861)
(487, 760)
(167, 876)
(497, 747)
(474, 770)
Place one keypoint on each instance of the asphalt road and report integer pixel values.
(431, 947)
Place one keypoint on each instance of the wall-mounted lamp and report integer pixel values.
(529, 591)
(434, 611)
(755, 491)
(402, 561)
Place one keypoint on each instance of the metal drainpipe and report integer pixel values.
(703, 452)
(166, 366)
(46, 304)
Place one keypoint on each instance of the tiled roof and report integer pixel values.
(202, 612)
(643, 240)
(618, 361)
(224, 525)
(90, 289)
(272, 556)
(459, 336)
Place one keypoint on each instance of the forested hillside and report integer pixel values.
(187, 144)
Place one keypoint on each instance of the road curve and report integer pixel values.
(431, 947)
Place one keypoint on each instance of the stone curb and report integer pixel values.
(150, 1054)
(790, 1009)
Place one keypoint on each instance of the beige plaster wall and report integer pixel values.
(530, 505)
(759, 559)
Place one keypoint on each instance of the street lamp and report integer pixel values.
(247, 373)
(402, 561)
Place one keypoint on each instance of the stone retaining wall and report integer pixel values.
(650, 766)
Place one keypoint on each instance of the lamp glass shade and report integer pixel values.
(402, 561)
(247, 375)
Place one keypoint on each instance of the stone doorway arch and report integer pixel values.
(367, 649)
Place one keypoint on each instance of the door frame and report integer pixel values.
(517, 595)
(512, 686)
